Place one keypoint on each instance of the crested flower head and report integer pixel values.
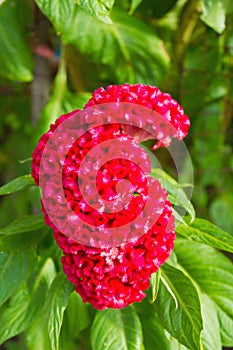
(118, 275)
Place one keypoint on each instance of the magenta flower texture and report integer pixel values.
(150, 97)
(114, 276)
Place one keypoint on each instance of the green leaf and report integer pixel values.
(16, 242)
(134, 4)
(213, 273)
(178, 307)
(59, 12)
(175, 345)
(153, 333)
(36, 336)
(177, 195)
(20, 183)
(214, 13)
(139, 54)
(15, 58)
(76, 319)
(26, 305)
(117, 330)
(56, 304)
(14, 268)
(99, 9)
(204, 232)
(155, 280)
(26, 223)
(211, 332)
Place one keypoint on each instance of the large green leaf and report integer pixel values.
(56, 304)
(211, 332)
(214, 13)
(14, 268)
(213, 273)
(76, 319)
(16, 242)
(15, 58)
(24, 224)
(36, 336)
(59, 11)
(178, 307)
(204, 232)
(26, 305)
(117, 330)
(18, 184)
(99, 9)
(128, 46)
(22, 233)
(153, 333)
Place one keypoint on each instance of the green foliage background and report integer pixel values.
(184, 47)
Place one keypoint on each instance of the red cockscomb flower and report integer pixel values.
(114, 276)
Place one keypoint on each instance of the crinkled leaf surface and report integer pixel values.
(128, 46)
(98, 8)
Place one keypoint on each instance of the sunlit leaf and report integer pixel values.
(117, 329)
(99, 9)
(139, 53)
(211, 332)
(178, 307)
(204, 232)
(214, 13)
(59, 11)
